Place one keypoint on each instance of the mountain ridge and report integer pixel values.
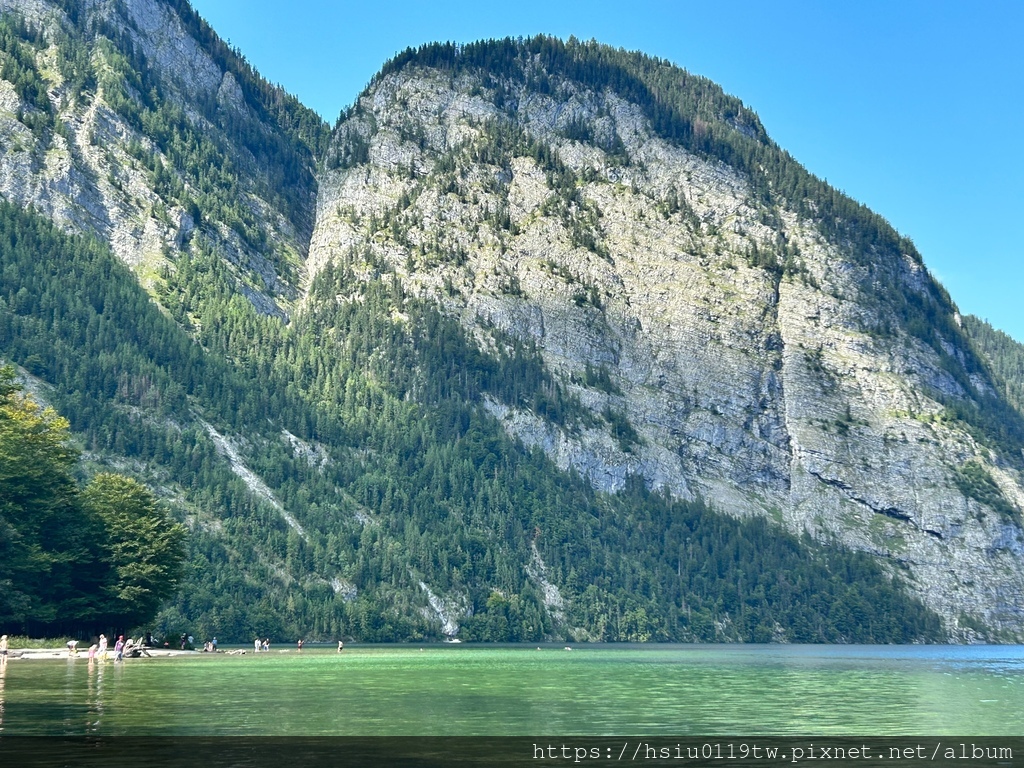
(532, 251)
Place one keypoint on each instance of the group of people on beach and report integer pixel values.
(264, 645)
(99, 649)
(130, 647)
(122, 647)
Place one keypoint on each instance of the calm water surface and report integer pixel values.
(466, 690)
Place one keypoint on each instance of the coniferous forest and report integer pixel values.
(420, 489)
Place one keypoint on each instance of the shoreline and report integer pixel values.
(32, 654)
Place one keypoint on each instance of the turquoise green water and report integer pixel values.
(465, 690)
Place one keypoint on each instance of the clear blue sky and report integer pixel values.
(913, 107)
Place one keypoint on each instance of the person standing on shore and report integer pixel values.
(3, 648)
(101, 651)
(119, 649)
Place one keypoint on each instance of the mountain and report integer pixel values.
(743, 333)
(543, 339)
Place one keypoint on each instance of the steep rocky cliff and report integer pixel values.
(134, 122)
(727, 341)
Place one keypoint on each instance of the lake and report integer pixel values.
(522, 691)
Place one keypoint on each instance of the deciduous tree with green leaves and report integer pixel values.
(143, 548)
(73, 560)
(48, 561)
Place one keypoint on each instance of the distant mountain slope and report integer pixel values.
(497, 355)
(1003, 355)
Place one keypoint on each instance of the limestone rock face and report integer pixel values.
(638, 269)
(91, 167)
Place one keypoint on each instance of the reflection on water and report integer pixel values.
(94, 697)
(3, 676)
(471, 690)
